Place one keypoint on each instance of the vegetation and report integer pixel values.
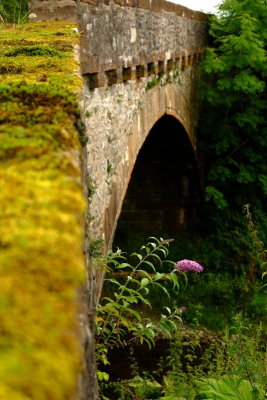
(14, 11)
(232, 148)
(42, 210)
(226, 239)
(234, 91)
(42, 216)
(232, 366)
(119, 319)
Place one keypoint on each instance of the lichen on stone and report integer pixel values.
(42, 212)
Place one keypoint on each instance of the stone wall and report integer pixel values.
(139, 61)
(53, 10)
(42, 214)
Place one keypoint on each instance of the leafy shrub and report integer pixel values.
(145, 388)
(239, 355)
(228, 388)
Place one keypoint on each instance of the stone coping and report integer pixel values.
(59, 9)
(155, 6)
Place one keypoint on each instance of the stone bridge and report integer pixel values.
(139, 62)
(140, 106)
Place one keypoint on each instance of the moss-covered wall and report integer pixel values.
(42, 211)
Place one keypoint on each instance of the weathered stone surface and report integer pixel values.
(119, 35)
(51, 10)
(119, 118)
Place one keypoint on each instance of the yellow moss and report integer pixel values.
(57, 35)
(41, 226)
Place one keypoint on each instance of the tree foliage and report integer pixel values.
(233, 133)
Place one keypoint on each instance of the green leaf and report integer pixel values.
(149, 264)
(153, 238)
(135, 313)
(141, 271)
(139, 256)
(144, 282)
(124, 265)
(155, 256)
(229, 387)
(174, 278)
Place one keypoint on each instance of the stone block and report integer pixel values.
(151, 68)
(54, 11)
(184, 61)
(144, 4)
(157, 5)
(92, 2)
(177, 62)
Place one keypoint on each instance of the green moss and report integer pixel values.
(33, 51)
(96, 247)
(91, 188)
(42, 212)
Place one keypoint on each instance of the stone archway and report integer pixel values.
(162, 191)
(120, 120)
(159, 102)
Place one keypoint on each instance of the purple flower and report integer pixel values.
(188, 265)
(182, 309)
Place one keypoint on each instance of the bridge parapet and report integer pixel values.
(122, 42)
(128, 39)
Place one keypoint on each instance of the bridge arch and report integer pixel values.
(119, 119)
(160, 197)
(163, 187)
(159, 105)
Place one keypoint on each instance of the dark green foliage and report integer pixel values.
(212, 298)
(31, 51)
(138, 388)
(13, 10)
(232, 153)
(233, 131)
(215, 372)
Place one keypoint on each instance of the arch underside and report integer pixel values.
(161, 195)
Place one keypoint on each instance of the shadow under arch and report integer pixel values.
(162, 193)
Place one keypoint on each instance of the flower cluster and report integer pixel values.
(188, 265)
